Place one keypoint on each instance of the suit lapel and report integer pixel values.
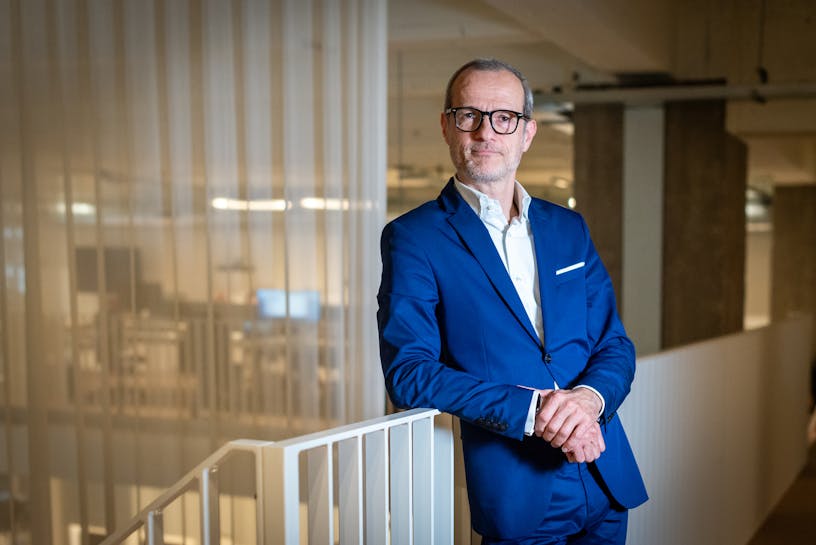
(544, 252)
(472, 232)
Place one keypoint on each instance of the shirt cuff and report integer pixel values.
(597, 393)
(529, 425)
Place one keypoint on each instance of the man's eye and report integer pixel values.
(505, 117)
(468, 115)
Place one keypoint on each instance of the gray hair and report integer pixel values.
(492, 65)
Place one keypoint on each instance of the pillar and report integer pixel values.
(598, 152)
(703, 225)
(793, 281)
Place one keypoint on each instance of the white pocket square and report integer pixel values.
(570, 268)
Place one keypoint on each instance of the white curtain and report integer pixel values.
(192, 194)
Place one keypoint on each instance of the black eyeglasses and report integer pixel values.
(470, 119)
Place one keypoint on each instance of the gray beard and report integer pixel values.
(479, 175)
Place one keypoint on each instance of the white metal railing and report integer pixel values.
(386, 480)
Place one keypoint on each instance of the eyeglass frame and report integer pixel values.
(482, 113)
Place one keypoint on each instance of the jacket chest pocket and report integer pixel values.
(569, 272)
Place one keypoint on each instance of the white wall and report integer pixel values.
(718, 428)
(642, 278)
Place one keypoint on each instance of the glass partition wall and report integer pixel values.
(191, 199)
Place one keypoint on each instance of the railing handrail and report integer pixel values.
(181, 486)
(348, 431)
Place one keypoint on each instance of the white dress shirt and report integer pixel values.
(514, 243)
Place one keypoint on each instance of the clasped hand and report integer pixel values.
(567, 420)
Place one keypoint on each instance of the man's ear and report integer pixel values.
(443, 121)
(530, 129)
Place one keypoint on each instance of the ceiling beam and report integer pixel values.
(613, 35)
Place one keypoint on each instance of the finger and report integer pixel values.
(567, 430)
(592, 436)
(552, 425)
(579, 455)
(592, 452)
(580, 434)
(596, 444)
(570, 455)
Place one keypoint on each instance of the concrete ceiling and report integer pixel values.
(579, 43)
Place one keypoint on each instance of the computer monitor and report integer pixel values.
(303, 304)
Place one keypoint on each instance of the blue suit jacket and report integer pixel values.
(454, 336)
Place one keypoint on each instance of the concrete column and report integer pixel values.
(793, 266)
(598, 157)
(704, 225)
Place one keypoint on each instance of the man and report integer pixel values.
(495, 307)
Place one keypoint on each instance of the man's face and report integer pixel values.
(483, 156)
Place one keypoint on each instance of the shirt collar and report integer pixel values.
(480, 202)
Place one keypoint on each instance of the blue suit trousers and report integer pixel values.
(580, 513)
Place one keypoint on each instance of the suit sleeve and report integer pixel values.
(411, 346)
(610, 368)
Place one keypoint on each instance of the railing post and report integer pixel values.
(279, 497)
(400, 491)
(210, 512)
(443, 480)
(350, 475)
(155, 527)
(422, 480)
(376, 486)
(321, 494)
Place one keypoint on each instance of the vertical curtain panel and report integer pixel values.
(190, 204)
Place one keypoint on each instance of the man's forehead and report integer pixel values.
(500, 83)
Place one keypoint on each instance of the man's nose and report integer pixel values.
(485, 130)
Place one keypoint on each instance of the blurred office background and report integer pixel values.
(191, 195)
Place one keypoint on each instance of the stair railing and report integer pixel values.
(389, 479)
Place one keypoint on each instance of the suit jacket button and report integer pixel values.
(547, 358)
